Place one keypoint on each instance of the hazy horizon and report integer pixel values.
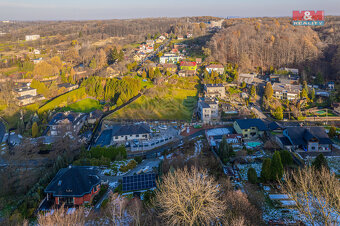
(132, 9)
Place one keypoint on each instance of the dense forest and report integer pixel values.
(266, 43)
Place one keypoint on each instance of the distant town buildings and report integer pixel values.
(32, 37)
(169, 58)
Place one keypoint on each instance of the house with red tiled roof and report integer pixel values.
(190, 66)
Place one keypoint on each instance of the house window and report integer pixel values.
(137, 135)
(116, 137)
(313, 148)
(245, 135)
(246, 130)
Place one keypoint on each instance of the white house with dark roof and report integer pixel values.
(122, 133)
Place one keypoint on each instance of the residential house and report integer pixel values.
(198, 60)
(285, 79)
(189, 35)
(286, 91)
(94, 116)
(63, 123)
(215, 136)
(139, 56)
(313, 139)
(247, 78)
(145, 49)
(172, 68)
(189, 66)
(121, 133)
(215, 67)
(150, 42)
(250, 128)
(185, 73)
(180, 37)
(32, 37)
(27, 95)
(180, 46)
(68, 86)
(214, 90)
(36, 51)
(73, 186)
(330, 85)
(207, 109)
(290, 70)
(38, 60)
(169, 58)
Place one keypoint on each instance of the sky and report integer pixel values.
(123, 9)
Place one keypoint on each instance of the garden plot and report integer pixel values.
(334, 164)
(119, 168)
(243, 169)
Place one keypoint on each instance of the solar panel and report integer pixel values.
(139, 182)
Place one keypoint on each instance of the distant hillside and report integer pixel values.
(271, 42)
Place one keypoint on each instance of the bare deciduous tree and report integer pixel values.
(60, 217)
(117, 209)
(189, 197)
(316, 193)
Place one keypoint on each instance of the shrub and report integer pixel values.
(138, 159)
(319, 162)
(252, 176)
(265, 172)
(132, 164)
(276, 167)
(286, 158)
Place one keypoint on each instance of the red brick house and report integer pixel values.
(73, 186)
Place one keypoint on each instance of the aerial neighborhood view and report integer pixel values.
(148, 114)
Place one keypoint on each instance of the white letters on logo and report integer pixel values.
(307, 16)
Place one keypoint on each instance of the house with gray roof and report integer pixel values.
(311, 139)
(130, 132)
(207, 109)
(73, 186)
(250, 128)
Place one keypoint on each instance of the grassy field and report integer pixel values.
(85, 105)
(64, 100)
(160, 103)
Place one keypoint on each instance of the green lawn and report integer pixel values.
(86, 105)
(160, 103)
